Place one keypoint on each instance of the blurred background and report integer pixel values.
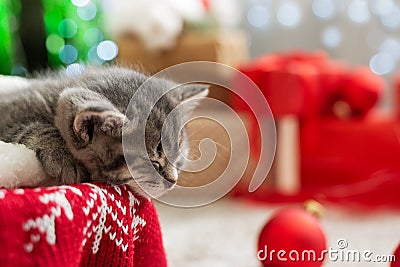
(330, 72)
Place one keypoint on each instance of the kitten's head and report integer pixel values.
(166, 140)
(102, 153)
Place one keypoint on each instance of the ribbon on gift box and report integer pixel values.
(310, 84)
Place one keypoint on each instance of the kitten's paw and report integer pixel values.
(113, 123)
(74, 173)
(64, 169)
(88, 123)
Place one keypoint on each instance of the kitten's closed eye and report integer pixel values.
(156, 165)
(159, 150)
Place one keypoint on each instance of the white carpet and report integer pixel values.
(224, 234)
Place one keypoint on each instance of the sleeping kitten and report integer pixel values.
(74, 125)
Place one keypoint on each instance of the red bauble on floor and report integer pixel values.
(292, 237)
(396, 262)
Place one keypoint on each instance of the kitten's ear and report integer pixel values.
(191, 91)
(194, 92)
(88, 123)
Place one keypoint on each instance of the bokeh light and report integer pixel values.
(92, 37)
(87, 12)
(324, 9)
(259, 16)
(107, 50)
(68, 54)
(19, 70)
(358, 11)
(54, 42)
(93, 57)
(392, 20)
(74, 69)
(391, 47)
(331, 37)
(382, 7)
(80, 3)
(67, 28)
(289, 14)
(382, 63)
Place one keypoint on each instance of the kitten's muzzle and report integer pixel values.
(170, 175)
(168, 184)
(169, 180)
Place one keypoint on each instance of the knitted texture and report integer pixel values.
(79, 225)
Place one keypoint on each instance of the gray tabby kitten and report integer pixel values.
(74, 125)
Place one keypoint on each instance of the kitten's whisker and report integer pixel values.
(218, 144)
(191, 134)
(193, 155)
(198, 130)
(219, 155)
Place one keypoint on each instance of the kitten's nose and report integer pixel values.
(172, 178)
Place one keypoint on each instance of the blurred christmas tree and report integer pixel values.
(37, 34)
(6, 47)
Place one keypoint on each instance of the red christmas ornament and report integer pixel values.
(292, 237)
(396, 262)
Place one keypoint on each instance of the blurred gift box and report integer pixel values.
(226, 47)
(343, 148)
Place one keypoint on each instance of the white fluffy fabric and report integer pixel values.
(228, 13)
(19, 167)
(158, 23)
(9, 84)
(155, 23)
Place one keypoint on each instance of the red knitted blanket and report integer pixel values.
(79, 225)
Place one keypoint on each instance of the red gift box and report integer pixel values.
(309, 85)
(336, 151)
(347, 150)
